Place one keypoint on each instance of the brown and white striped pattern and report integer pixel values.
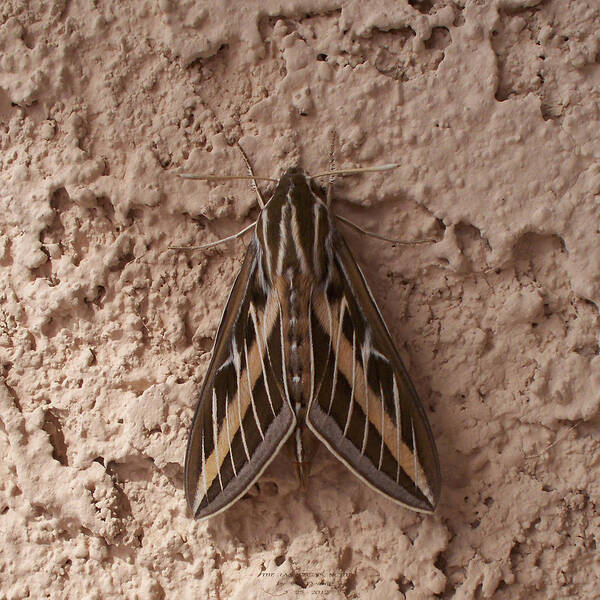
(301, 349)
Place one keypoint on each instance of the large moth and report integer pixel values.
(301, 352)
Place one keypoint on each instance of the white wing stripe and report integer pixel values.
(262, 435)
(229, 434)
(239, 404)
(365, 368)
(216, 434)
(351, 406)
(337, 353)
(262, 357)
(398, 429)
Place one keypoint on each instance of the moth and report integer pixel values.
(302, 352)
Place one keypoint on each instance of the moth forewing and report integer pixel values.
(241, 419)
(366, 410)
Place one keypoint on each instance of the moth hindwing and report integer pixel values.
(302, 348)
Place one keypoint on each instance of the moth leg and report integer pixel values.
(381, 237)
(332, 167)
(221, 241)
(253, 185)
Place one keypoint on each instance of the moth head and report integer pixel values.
(296, 184)
(293, 176)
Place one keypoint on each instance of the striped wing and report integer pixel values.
(364, 407)
(242, 417)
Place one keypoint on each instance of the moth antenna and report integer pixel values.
(223, 177)
(382, 237)
(251, 176)
(354, 170)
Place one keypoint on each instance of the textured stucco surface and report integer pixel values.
(493, 109)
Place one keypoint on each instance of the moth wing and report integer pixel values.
(242, 417)
(363, 406)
